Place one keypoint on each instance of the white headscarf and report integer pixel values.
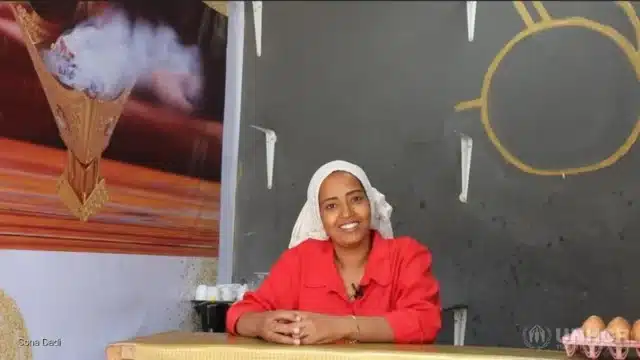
(309, 223)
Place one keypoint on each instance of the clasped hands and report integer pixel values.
(303, 328)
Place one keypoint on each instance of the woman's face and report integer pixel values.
(344, 209)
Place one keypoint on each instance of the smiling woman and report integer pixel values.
(161, 165)
(344, 277)
(345, 210)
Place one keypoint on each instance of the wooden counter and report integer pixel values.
(212, 346)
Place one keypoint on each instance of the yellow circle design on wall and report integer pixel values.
(547, 23)
(13, 332)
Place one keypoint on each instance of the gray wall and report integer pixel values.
(376, 83)
(68, 295)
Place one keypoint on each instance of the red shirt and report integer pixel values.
(397, 285)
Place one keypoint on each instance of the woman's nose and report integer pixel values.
(346, 211)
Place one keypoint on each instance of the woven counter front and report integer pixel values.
(211, 346)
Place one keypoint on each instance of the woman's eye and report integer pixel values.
(330, 206)
(357, 198)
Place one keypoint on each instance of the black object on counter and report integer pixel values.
(213, 314)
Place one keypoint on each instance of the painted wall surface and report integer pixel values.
(84, 301)
(377, 83)
(90, 300)
(157, 154)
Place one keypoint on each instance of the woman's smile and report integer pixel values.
(349, 227)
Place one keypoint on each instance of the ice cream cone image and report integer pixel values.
(85, 124)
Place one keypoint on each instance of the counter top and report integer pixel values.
(219, 346)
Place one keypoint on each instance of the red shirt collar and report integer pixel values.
(378, 269)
